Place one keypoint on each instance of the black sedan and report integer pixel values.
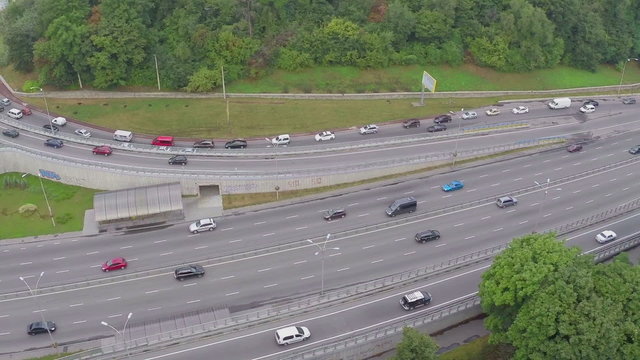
(178, 160)
(49, 127)
(438, 127)
(591, 102)
(204, 144)
(333, 214)
(235, 144)
(12, 133)
(40, 327)
(54, 143)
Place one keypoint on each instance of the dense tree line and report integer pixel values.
(109, 43)
(550, 302)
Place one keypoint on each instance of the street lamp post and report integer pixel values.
(321, 250)
(623, 68)
(46, 199)
(46, 106)
(121, 334)
(546, 192)
(275, 156)
(34, 293)
(455, 152)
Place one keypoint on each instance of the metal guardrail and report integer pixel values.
(351, 292)
(265, 152)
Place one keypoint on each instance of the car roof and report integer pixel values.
(416, 295)
(291, 330)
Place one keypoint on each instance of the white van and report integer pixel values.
(15, 113)
(122, 135)
(560, 103)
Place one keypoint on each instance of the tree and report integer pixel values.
(516, 276)
(416, 346)
(400, 22)
(204, 80)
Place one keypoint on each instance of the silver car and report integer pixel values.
(468, 115)
(202, 225)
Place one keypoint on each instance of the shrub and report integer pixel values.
(64, 218)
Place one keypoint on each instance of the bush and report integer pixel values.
(64, 218)
(29, 86)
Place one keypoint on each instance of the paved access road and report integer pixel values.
(279, 277)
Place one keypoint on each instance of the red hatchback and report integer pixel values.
(26, 111)
(114, 264)
(102, 150)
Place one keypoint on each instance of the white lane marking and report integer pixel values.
(167, 253)
(577, 164)
(269, 234)
(526, 165)
(192, 284)
(609, 194)
(74, 240)
(614, 179)
(61, 271)
(342, 269)
(596, 185)
(549, 214)
(361, 215)
(336, 254)
(534, 204)
(39, 246)
(485, 218)
(377, 261)
(134, 259)
(354, 204)
(588, 202)
(440, 245)
(4, 316)
(98, 265)
(495, 184)
(5, 333)
(306, 277)
(408, 192)
(299, 262)
(193, 301)
(446, 196)
(260, 223)
(26, 263)
(516, 179)
(301, 228)
(469, 237)
(381, 198)
(537, 174)
(56, 243)
(60, 258)
(271, 330)
(546, 161)
(74, 305)
(126, 247)
(291, 217)
(409, 253)
(159, 241)
(37, 311)
(555, 198)
(368, 247)
(569, 208)
(232, 293)
(510, 211)
(267, 269)
(506, 170)
(523, 222)
(396, 240)
(422, 201)
(226, 229)
(201, 247)
(270, 285)
(485, 175)
(629, 174)
(79, 322)
(154, 308)
(115, 298)
(227, 277)
(456, 225)
(470, 190)
(498, 229)
(151, 291)
(577, 191)
(436, 187)
(625, 189)
(557, 169)
(233, 241)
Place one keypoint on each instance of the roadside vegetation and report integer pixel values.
(24, 212)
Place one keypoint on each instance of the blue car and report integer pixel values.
(453, 186)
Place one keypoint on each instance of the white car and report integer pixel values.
(83, 132)
(202, 225)
(587, 109)
(606, 236)
(284, 139)
(520, 110)
(292, 334)
(60, 121)
(325, 135)
(468, 115)
(369, 129)
(492, 112)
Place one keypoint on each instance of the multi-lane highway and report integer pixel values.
(251, 281)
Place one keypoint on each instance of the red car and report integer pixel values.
(26, 111)
(114, 264)
(102, 150)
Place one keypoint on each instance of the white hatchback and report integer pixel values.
(202, 225)
(520, 110)
(325, 135)
(587, 109)
(606, 236)
(284, 139)
(60, 121)
(292, 335)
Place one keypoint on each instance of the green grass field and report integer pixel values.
(68, 204)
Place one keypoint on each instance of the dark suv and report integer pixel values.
(442, 119)
(178, 160)
(411, 123)
(204, 144)
(54, 143)
(591, 102)
(333, 214)
(427, 235)
(40, 327)
(235, 144)
(188, 271)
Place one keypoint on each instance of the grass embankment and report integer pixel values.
(68, 204)
(479, 349)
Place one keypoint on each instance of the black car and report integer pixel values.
(333, 214)
(438, 127)
(178, 160)
(12, 133)
(590, 102)
(628, 101)
(54, 143)
(50, 127)
(442, 119)
(574, 148)
(204, 144)
(635, 150)
(411, 123)
(235, 144)
(40, 327)
(427, 235)
(188, 271)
